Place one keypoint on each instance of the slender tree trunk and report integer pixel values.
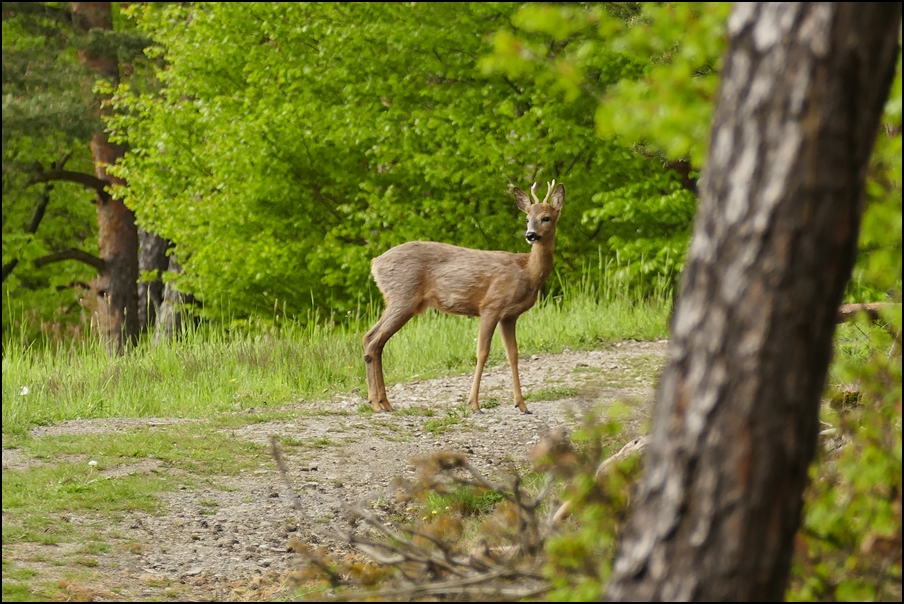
(172, 309)
(736, 413)
(117, 233)
(151, 257)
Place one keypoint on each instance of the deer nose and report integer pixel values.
(531, 236)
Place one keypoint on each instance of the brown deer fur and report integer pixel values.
(495, 286)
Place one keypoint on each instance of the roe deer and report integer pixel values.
(493, 285)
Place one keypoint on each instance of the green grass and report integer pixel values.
(96, 476)
(491, 402)
(465, 501)
(439, 425)
(551, 394)
(309, 443)
(209, 371)
(17, 592)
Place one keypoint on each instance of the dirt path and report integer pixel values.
(229, 542)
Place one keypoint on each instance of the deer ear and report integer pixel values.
(558, 197)
(522, 200)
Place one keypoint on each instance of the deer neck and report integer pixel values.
(539, 262)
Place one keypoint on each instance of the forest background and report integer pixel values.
(269, 151)
(243, 162)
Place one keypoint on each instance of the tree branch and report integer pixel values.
(71, 254)
(86, 180)
(635, 446)
(8, 268)
(73, 285)
(38, 214)
(849, 312)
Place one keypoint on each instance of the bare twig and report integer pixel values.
(635, 446)
(284, 471)
(848, 312)
(423, 563)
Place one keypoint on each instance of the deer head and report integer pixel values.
(541, 215)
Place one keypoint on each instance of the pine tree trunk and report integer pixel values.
(736, 412)
(117, 233)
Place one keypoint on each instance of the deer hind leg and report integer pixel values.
(484, 337)
(392, 320)
(507, 330)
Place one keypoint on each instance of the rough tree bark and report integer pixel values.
(172, 313)
(117, 285)
(151, 257)
(736, 412)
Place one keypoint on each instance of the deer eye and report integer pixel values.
(544, 219)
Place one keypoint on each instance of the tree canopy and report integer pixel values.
(305, 139)
(281, 146)
(58, 61)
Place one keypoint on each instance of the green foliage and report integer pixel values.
(45, 117)
(45, 301)
(579, 558)
(878, 271)
(49, 115)
(652, 68)
(649, 72)
(308, 138)
(43, 82)
(670, 106)
(849, 548)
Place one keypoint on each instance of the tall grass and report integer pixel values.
(212, 369)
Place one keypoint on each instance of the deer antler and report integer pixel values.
(533, 191)
(550, 186)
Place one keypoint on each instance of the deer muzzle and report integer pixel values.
(531, 236)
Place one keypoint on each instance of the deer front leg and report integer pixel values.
(373, 362)
(507, 330)
(484, 337)
(391, 321)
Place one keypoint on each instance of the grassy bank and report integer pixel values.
(211, 369)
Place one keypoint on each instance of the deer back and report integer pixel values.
(450, 278)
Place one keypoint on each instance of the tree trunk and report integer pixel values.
(151, 257)
(736, 412)
(117, 233)
(172, 310)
